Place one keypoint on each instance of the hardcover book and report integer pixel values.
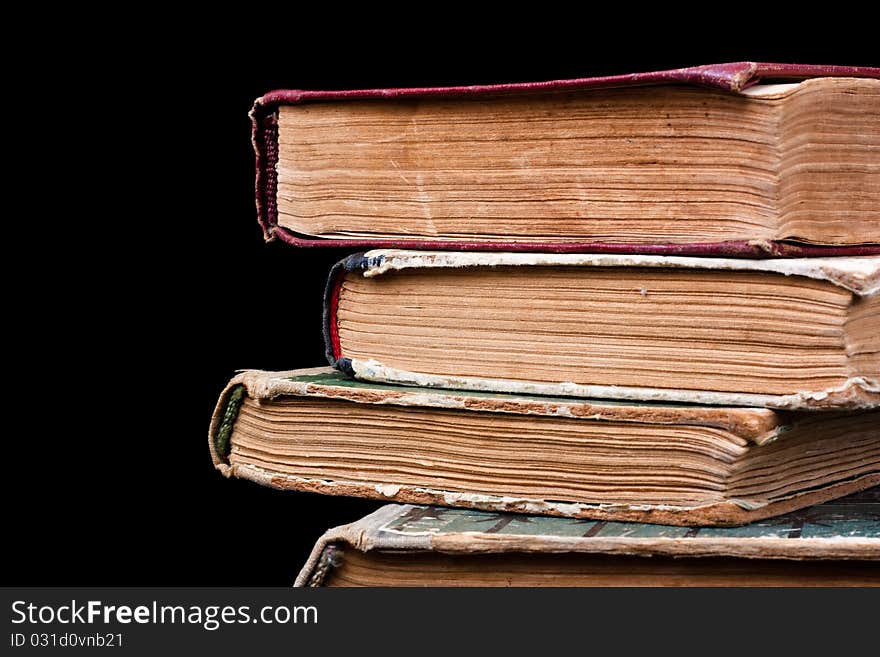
(833, 544)
(316, 430)
(783, 333)
(740, 159)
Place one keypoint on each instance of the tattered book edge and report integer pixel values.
(757, 425)
(858, 274)
(730, 512)
(854, 394)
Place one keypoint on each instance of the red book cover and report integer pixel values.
(731, 77)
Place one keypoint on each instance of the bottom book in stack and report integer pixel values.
(833, 544)
(678, 464)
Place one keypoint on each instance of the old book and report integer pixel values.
(784, 333)
(316, 430)
(700, 160)
(833, 544)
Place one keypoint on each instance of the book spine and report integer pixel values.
(222, 421)
(332, 347)
(264, 138)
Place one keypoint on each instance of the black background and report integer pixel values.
(138, 281)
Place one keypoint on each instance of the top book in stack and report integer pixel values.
(734, 160)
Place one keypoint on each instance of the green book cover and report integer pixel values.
(845, 530)
(680, 464)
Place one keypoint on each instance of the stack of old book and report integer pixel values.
(644, 304)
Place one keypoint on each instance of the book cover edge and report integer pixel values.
(726, 513)
(856, 393)
(757, 425)
(857, 274)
